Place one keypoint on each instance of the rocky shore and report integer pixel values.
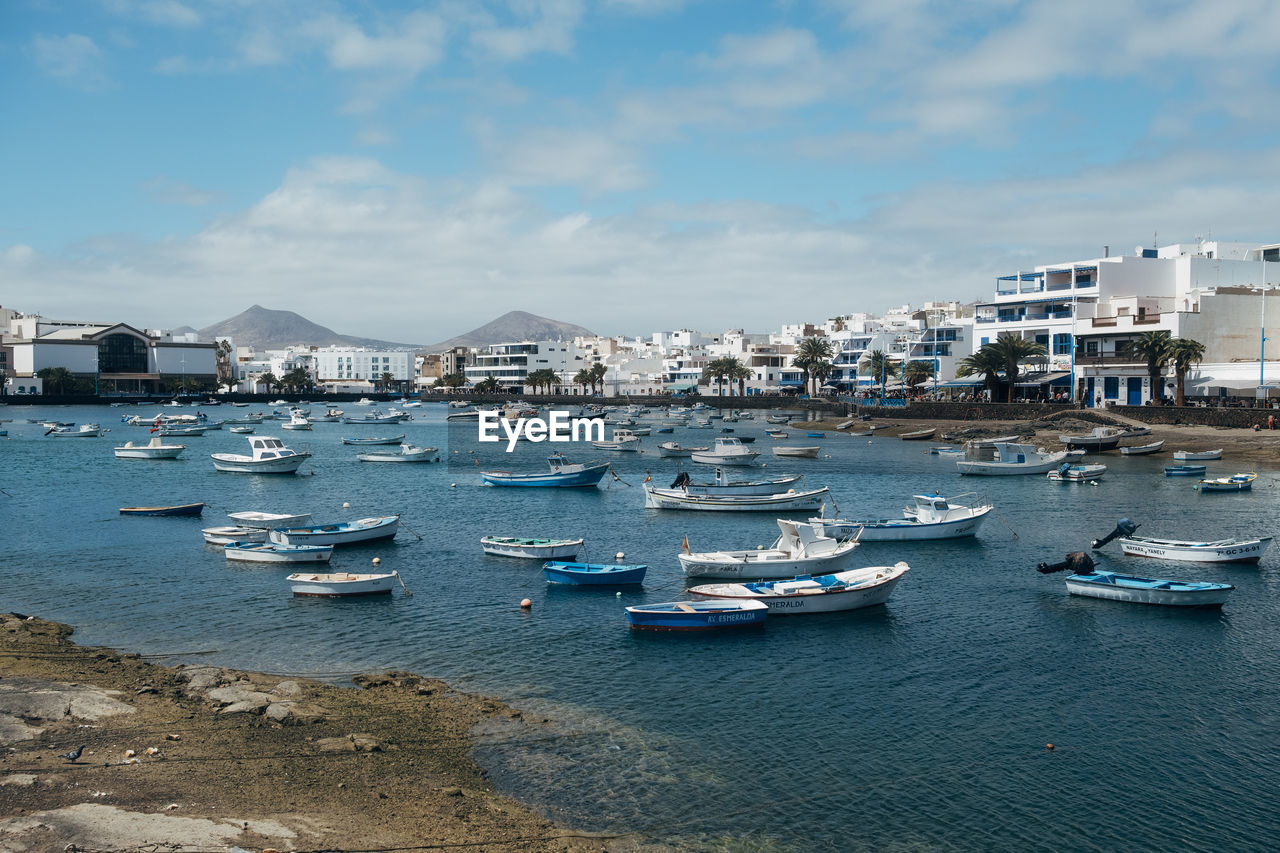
(204, 758)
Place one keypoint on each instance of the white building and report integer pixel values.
(511, 363)
(359, 367)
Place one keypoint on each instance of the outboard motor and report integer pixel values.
(682, 480)
(1064, 468)
(1077, 562)
(1124, 527)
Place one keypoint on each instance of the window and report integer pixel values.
(984, 342)
(1062, 344)
(1091, 348)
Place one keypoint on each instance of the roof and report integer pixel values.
(1044, 378)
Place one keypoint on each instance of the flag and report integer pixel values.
(685, 547)
(647, 478)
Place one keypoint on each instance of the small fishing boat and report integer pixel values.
(1001, 458)
(930, 516)
(406, 453)
(227, 535)
(180, 509)
(674, 450)
(241, 430)
(706, 615)
(727, 451)
(778, 433)
(268, 520)
(851, 590)
(387, 439)
(1234, 483)
(297, 420)
(563, 474)
(374, 417)
(592, 574)
(623, 440)
(269, 456)
(786, 502)
(793, 451)
(799, 550)
(154, 449)
(533, 549)
(341, 533)
(73, 431)
(1197, 455)
(724, 486)
(179, 431)
(1097, 440)
(1143, 449)
(1141, 590)
(919, 434)
(1183, 470)
(946, 450)
(270, 552)
(342, 584)
(1078, 473)
(1135, 431)
(1220, 551)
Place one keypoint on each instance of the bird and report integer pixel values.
(73, 754)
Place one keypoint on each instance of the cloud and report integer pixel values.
(408, 45)
(566, 157)
(167, 191)
(74, 59)
(550, 30)
(168, 13)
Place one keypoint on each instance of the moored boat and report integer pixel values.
(73, 431)
(406, 453)
(1078, 473)
(1140, 590)
(533, 549)
(1184, 470)
(705, 615)
(919, 434)
(799, 550)
(297, 420)
(1196, 455)
(227, 535)
(342, 584)
(850, 590)
(931, 516)
(154, 449)
(623, 440)
(563, 474)
(386, 439)
(792, 451)
(1001, 458)
(180, 509)
(267, 520)
(1143, 449)
(341, 533)
(1219, 551)
(270, 552)
(674, 450)
(1234, 483)
(268, 456)
(727, 451)
(1097, 440)
(593, 574)
(785, 501)
(725, 486)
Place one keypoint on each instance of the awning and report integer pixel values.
(1035, 379)
(682, 386)
(796, 382)
(958, 383)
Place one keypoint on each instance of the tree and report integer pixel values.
(1185, 353)
(269, 379)
(488, 385)
(740, 373)
(296, 379)
(598, 373)
(1012, 349)
(583, 377)
(882, 367)
(387, 379)
(454, 380)
(986, 362)
(57, 380)
(1154, 349)
(809, 352)
(716, 371)
(915, 372)
(820, 369)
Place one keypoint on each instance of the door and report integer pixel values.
(1088, 392)
(1135, 391)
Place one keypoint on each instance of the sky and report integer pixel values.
(408, 171)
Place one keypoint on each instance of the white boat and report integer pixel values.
(269, 552)
(374, 417)
(241, 430)
(82, 431)
(851, 590)
(1002, 458)
(342, 533)
(532, 549)
(341, 584)
(727, 451)
(1143, 449)
(227, 535)
(674, 450)
(296, 420)
(406, 453)
(1140, 590)
(386, 439)
(269, 456)
(365, 401)
(919, 434)
(797, 452)
(1220, 551)
(330, 416)
(1234, 483)
(1186, 455)
(788, 501)
(268, 520)
(1077, 473)
(724, 486)
(154, 449)
(930, 517)
(1098, 439)
(623, 439)
(799, 550)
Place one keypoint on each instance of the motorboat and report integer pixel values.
(849, 590)
(297, 420)
(930, 516)
(1095, 441)
(154, 449)
(563, 474)
(722, 485)
(1077, 473)
(268, 456)
(1184, 470)
(1234, 483)
(1003, 458)
(782, 502)
(798, 550)
(674, 450)
(373, 417)
(405, 453)
(623, 439)
(329, 417)
(342, 533)
(532, 549)
(1140, 590)
(727, 451)
(1247, 550)
(73, 431)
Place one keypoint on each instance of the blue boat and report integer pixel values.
(1149, 590)
(592, 574)
(666, 429)
(711, 615)
(1183, 470)
(563, 474)
(182, 509)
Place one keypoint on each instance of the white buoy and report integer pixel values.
(377, 561)
(346, 505)
(619, 555)
(618, 594)
(453, 485)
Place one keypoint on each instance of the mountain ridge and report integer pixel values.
(514, 326)
(267, 328)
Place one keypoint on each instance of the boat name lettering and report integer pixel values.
(558, 427)
(733, 617)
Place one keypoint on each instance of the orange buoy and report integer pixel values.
(525, 604)
(1048, 746)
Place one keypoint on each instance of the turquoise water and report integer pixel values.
(918, 725)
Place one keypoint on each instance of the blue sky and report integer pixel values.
(411, 170)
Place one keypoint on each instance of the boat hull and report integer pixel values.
(183, 509)
(739, 460)
(227, 535)
(589, 476)
(268, 552)
(1237, 551)
(784, 502)
(593, 574)
(531, 549)
(763, 564)
(906, 529)
(1184, 470)
(709, 615)
(341, 585)
(1148, 590)
(1196, 455)
(797, 452)
(852, 590)
(235, 464)
(337, 534)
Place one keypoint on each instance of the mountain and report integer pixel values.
(263, 328)
(514, 326)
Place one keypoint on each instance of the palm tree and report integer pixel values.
(386, 380)
(1011, 349)
(716, 371)
(809, 352)
(883, 368)
(488, 385)
(57, 379)
(820, 369)
(583, 378)
(986, 362)
(598, 373)
(269, 379)
(1184, 352)
(296, 379)
(1154, 348)
(915, 372)
(740, 374)
(454, 380)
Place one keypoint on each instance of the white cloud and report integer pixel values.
(167, 191)
(558, 157)
(550, 30)
(168, 13)
(74, 59)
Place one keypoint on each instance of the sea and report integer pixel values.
(982, 708)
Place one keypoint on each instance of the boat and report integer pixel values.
(388, 439)
(241, 430)
(1234, 483)
(533, 549)
(1002, 458)
(797, 551)
(342, 584)
(777, 419)
(1184, 470)
(341, 533)
(267, 520)
(330, 416)
(180, 509)
(946, 450)
(779, 433)
(1141, 590)
(1196, 455)
(563, 474)
(1135, 431)
(641, 430)
(406, 453)
(784, 502)
(179, 431)
(365, 401)
(850, 590)
(706, 615)
(674, 450)
(918, 435)
(296, 421)
(1143, 449)
(1219, 551)
(592, 574)
(727, 451)
(154, 449)
(1097, 440)
(73, 431)
(797, 452)
(623, 440)
(931, 516)
(270, 552)
(1077, 473)
(269, 456)
(227, 535)
(724, 486)
(374, 417)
